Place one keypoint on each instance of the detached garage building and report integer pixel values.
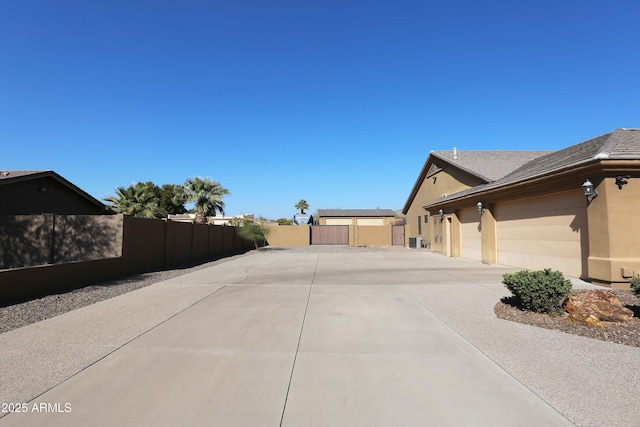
(356, 217)
(537, 215)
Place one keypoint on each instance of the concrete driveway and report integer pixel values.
(318, 336)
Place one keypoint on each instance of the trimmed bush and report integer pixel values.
(542, 291)
(253, 232)
(635, 286)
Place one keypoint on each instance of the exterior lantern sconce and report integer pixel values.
(589, 191)
(622, 180)
(441, 212)
(481, 208)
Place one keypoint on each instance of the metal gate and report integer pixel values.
(398, 235)
(330, 235)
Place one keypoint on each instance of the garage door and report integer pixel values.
(470, 236)
(544, 232)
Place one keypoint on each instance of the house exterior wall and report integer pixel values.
(470, 234)
(336, 221)
(446, 181)
(370, 221)
(539, 217)
(434, 233)
(44, 195)
(595, 241)
(544, 232)
(614, 230)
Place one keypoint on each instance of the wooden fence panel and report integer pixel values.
(398, 235)
(330, 235)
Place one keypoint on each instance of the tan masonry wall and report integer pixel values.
(289, 235)
(300, 235)
(371, 235)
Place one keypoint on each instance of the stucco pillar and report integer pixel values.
(614, 227)
(456, 244)
(488, 234)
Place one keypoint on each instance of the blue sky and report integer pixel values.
(336, 102)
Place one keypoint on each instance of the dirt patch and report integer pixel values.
(627, 333)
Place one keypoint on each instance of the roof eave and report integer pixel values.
(423, 174)
(57, 177)
(562, 179)
(463, 168)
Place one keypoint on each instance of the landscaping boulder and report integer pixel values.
(591, 308)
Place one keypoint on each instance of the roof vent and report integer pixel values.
(455, 153)
(3, 173)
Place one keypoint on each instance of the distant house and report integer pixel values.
(215, 220)
(38, 192)
(356, 217)
(530, 209)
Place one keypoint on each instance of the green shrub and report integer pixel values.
(635, 286)
(256, 233)
(540, 291)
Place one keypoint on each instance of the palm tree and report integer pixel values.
(207, 196)
(302, 205)
(136, 200)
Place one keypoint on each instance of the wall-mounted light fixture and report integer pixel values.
(441, 212)
(589, 190)
(622, 180)
(481, 208)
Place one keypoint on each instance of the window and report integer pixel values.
(426, 219)
(419, 225)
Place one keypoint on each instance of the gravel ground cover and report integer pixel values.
(627, 333)
(22, 314)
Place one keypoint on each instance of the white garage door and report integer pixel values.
(338, 221)
(370, 221)
(470, 236)
(544, 232)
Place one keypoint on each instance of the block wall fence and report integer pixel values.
(47, 254)
(359, 235)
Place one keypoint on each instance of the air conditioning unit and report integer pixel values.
(415, 242)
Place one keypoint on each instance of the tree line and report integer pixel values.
(148, 200)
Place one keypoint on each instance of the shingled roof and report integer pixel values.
(14, 175)
(621, 144)
(10, 176)
(486, 164)
(355, 212)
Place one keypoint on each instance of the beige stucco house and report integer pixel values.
(528, 209)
